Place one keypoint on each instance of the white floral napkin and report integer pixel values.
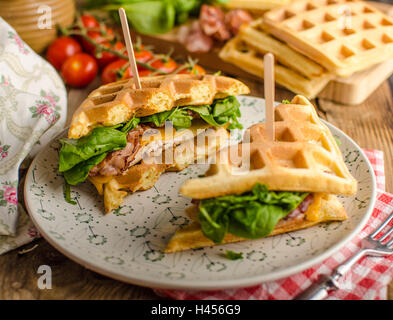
(33, 109)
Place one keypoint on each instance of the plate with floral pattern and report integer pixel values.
(128, 244)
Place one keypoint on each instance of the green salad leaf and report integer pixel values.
(99, 141)
(219, 113)
(153, 16)
(231, 255)
(79, 173)
(250, 215)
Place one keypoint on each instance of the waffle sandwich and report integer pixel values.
(273, 187)
(122, 139)
(344, 36)
(293, 70)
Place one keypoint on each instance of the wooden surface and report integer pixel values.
(370, 124)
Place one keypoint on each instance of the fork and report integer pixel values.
(369, 246)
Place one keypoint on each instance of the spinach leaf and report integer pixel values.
(67, 194)
(79, 173)
(250, 215)
(100, 140)
(178, 117)
(130, 125)
(221, 112)
(231, 255)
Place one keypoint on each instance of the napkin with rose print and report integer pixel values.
(33, 104)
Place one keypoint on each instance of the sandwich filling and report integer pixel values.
(110, 151)
(252, 214)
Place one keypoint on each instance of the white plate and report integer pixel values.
(128, 244)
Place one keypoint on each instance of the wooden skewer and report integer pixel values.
(130, 48)
(268, 63)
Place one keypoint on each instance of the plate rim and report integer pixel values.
(224, 284)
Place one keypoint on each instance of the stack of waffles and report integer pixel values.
(314, 41)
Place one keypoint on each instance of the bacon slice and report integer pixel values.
(234, 19)
(213, 24)
(193, 38)
(117, 161)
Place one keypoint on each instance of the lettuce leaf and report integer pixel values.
(221, 112)
(99, 141)
(79, 173)
(250, 215)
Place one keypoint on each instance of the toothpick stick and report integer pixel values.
(268, 63)
(130, 48)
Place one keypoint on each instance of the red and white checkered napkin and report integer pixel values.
(368, 279)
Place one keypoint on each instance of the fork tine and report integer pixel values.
(389, 243)
(383, 225)
(386, 235)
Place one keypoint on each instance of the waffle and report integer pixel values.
(255, 6)
(293, 70)
(145, 174)
(303, 157)
(324, 208)
(344, 36)
(118, 102)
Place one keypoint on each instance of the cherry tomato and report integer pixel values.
(98, 37)
(142, 73)
(166, 65)
(143, 56)
(196, 69)
(61, 49)
(88, 21)
(107, 57)
(110, 72)
(79, 70)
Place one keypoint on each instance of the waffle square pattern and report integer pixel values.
(118, 102)
(344, 36)
(303, 157)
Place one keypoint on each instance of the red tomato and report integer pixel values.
(196, 69)
(89, 21)
(79, 70)
(143, 56)
(61, 49)
(166, 65)
(142, 73)
(98, 37)
(107, 57)
(110, 72)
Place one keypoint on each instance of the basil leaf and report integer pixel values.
(79, 173)
(100, 140)
(250, 215)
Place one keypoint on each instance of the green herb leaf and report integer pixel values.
(67, 193)
(286, 101)
(231, 255)
(99, 141)
(250, 215)
(79, 173)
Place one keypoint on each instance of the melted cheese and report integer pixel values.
(312, 213)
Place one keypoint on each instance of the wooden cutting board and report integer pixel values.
(351, 91)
